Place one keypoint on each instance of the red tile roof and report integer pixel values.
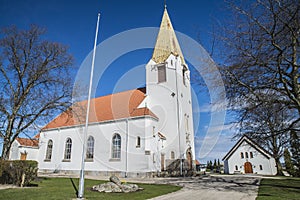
(107, 108)
(28, 142)
(37, 136)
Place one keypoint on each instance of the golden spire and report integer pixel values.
(166, 42)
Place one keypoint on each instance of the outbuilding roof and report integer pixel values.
(251, 143)
(28, 142)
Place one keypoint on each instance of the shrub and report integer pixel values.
(12, 172)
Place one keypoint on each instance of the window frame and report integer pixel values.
(116, 147)
(184, 70)
(68, 150)
(161, 73)
(172, 156)
(90, 148)
(138, 142)
(251, 154)
(49, 150)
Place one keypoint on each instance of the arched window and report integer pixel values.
(260, 167)
(68, 149)
(116, 146)
(236, 168)
(247, 155)
(138, 141)
(172, 155)
(242, 155)
(49, 150)
(90, 148)
(251, 154)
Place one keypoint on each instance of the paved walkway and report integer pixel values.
(214, 187)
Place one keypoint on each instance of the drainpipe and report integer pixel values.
(127, 138)
(178, 119)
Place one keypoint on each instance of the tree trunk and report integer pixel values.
(5, 150)
(279, 167)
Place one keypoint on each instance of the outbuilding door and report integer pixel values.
(23, 156)
(248, 168)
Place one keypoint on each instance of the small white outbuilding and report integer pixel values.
(24, 149)
(247, 157)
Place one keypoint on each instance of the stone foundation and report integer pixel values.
(101, 173)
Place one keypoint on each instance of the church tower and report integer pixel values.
(169, 97)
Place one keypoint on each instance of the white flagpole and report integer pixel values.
(81, 181)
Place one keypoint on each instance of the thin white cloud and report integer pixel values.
(207, 108)
(221, 128)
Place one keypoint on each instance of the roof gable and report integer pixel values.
(106, 108)
(251, 143)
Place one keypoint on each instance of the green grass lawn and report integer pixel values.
(63, 188)
(278, 189)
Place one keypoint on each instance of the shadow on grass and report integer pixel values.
(74, 186)
(283, 184)
(33, 185)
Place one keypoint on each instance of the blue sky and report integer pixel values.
(73, 23)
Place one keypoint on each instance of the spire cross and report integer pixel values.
(165, 2)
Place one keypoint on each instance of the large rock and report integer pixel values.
(107, 187)
(116, 186)
(115, 180)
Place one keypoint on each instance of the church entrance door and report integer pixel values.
(248, 168)
(189, 160)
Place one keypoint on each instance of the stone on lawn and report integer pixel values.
(116, 186)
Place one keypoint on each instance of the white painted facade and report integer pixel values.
(246, 151)
(171, 101)
(17, 149)
(164, 137)
(133, 158)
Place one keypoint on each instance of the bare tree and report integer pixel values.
(34, 79)
(263, 54)
(261, 70)
(266, 124)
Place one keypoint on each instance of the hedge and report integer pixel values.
(18, 172)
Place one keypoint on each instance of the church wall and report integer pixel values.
(137, 158)
(162, 100)
(134, 161)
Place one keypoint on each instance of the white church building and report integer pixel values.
(137, 132)
(247, 157)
